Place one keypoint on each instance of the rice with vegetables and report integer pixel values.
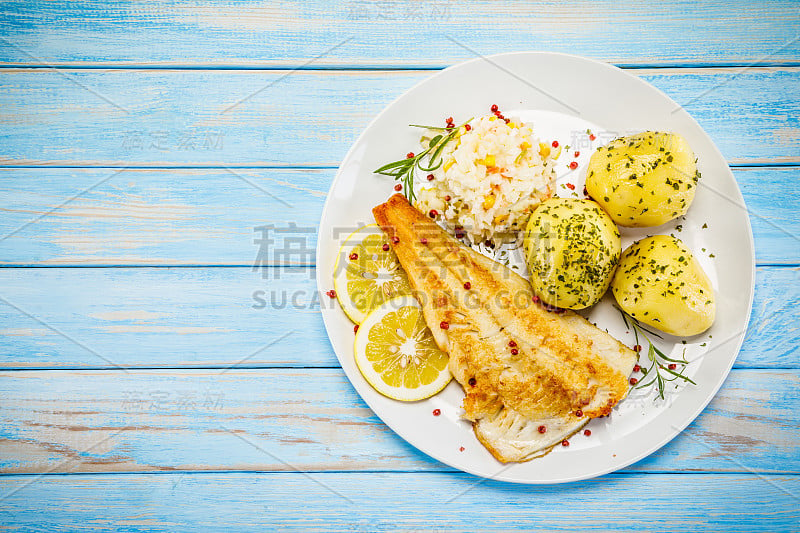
(491, 178)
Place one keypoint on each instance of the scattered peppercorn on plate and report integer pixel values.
(616, 147)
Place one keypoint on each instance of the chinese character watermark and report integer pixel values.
(290, 247)
(192, 140)
(397, 11)
(168, 400)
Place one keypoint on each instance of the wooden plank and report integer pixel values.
(162, 317)
(277, 118)
(155, 217)
(207, 216)
(312, 419)
(435, 33)
(184, 317)
(397, 502)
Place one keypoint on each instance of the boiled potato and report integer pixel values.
(645, 179)
(659, 283)
(572, 248)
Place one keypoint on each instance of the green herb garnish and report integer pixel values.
(659, 361)
(403, 169)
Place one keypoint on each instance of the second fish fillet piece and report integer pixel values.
(521, 366)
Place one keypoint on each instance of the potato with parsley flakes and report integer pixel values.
(645, 179)
(659, 283)
(571, 247)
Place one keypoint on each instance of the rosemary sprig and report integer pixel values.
(657, 359)
(403, 169)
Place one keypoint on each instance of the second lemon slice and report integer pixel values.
(367, 273)
(396, 353)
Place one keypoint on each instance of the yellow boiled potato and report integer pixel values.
(660, 283)
(572, 248)
(645, 179)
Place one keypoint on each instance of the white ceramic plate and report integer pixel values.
(562, 96)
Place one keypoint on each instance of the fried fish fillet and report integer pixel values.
(520, 365)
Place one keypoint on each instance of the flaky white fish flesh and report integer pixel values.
(520, 365)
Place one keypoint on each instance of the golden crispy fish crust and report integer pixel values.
(515, 360)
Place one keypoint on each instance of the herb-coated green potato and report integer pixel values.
(643, 180)
(658, 282)
(572, 248)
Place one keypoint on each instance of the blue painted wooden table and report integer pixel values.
(148, 382)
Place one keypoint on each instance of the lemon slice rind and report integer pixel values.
(341, 281)
(373, 377)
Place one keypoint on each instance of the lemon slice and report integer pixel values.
(396, 353)
(365, 274)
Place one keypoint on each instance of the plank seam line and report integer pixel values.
(250, 266)
(188, 366)
(743, 165)
(272, 366)
(367, 67)
(429, 471)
